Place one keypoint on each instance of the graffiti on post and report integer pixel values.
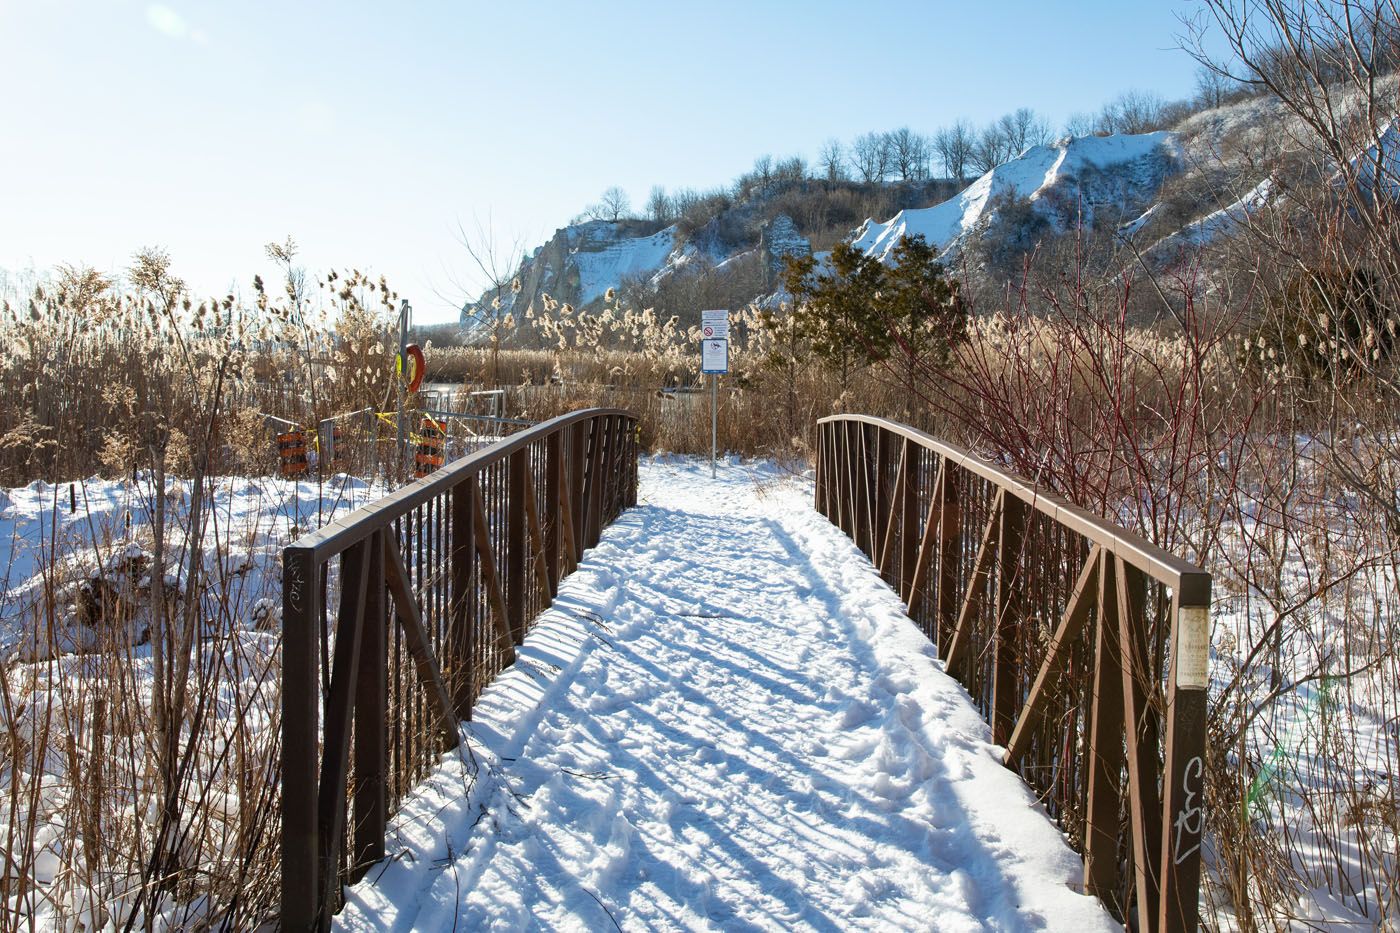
(1189, 819)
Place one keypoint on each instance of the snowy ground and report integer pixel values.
(73, 534)
(725, 722)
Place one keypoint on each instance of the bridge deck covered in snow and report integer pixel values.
(724, 720)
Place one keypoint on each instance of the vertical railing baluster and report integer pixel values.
(596, 461)
(1105, 764)
(833, 474)
(841, 450)
(852, 527)
(515, 556)
(340, 711)
(464, 601)
(1009, 601)
(371, 707)
(634, 458)
(859, 475)
(862, 463)
(880, 504)
(578, 455)
(610, 471)
(553, 455)
(890, 502)
(1144, 803)
(950, 538)
(600, 498)
(909, 512)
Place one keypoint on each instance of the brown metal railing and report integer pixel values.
(1083, 644)
(463, 559)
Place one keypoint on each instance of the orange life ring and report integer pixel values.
(417, 366)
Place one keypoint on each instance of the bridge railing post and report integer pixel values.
(1183, 790)
(301, 701)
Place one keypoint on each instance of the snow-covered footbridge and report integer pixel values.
(695, 703)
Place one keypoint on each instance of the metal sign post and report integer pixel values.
(714, 362)
(405, 321)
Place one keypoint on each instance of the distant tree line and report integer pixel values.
(905, 157)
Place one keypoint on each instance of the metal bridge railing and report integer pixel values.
(397, 615)
(1085, 646)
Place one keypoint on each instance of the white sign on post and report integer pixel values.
(714, 362)
(714, 356)
(714, 325)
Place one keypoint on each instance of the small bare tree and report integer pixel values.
(614, 206)
(870, 154)
(660, 207)
(1080, 124)
(1212, 88)
(953, 145)
(991, 149)
(1024, 128)
(1132, 112)
(763, 171)
(909, 152)
(498, 263)
(832, 161)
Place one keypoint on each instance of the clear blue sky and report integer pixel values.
(369, 130)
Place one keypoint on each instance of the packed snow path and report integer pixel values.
(725, 722)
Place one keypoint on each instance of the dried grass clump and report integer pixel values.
(110, 375)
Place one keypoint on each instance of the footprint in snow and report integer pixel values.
(911, 716)
(858, 713)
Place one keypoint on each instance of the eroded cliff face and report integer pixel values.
(778, 240)
(1076, 180)
(1045, 191)
(1158, 190)
(578, 265)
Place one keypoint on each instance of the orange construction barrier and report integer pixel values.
(431, 446)
(291, 451)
